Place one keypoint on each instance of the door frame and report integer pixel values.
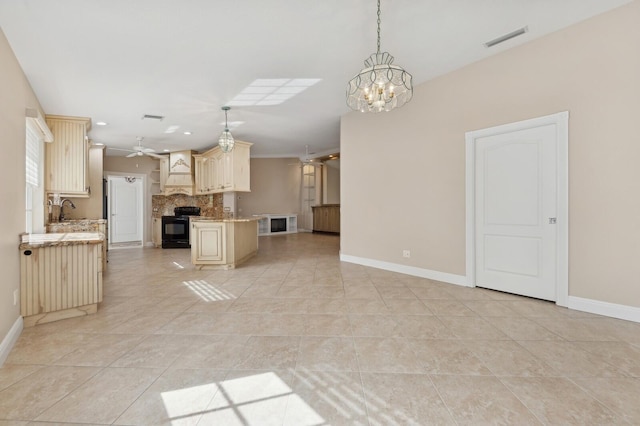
(561, 121)
(141, 210)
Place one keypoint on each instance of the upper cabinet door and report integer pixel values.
(67, 157)
(222, 172)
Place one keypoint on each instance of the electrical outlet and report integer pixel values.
(15, 297)
(406, 253)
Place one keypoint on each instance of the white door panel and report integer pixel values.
(515, 195)
(125, 204)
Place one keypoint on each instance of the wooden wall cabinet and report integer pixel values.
(326, 218)
(217, 171)
(164, 172)
(206, 168)
(67, 157)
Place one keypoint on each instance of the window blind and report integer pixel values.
(33, 156)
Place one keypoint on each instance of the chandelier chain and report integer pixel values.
(378, 26)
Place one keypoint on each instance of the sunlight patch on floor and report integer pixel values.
(245, 400)
(207, 291)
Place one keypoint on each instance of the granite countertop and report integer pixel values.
(28, 241)
(76, 225)
(211, 219)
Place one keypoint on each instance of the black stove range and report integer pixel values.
(175, 229)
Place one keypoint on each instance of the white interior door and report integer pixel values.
(516, 212)
(125, 205)
(517, 208)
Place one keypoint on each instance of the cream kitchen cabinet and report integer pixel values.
(236, 171)
(156, 232)
(208, 243)
(61, 276)
(206, 169)
(222, 244)
(164, 172)
(217, 171)
(67, 158)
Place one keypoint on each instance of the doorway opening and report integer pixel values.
(125, 211)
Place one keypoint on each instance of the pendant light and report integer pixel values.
(381, 85)
(226, 141)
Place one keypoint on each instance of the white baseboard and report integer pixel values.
(409, 270)
(629, 313)
(10, 339)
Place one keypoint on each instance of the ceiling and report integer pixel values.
(117, 60)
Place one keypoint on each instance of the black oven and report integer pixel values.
(175, 229)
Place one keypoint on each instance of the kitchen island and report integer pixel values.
(60, 275)
(223, 243)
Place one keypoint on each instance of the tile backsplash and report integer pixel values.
(210, 205)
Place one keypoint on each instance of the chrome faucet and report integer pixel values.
(73, 206)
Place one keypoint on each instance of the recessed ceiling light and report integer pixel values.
(187, 133)
(165, 150)
(98, 144)
(101, 123)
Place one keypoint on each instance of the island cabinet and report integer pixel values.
(82, 225)
(60, 276)
(67, 157)
(326, 218)
(223, 244)
(216, 171)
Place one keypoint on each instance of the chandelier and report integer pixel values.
(381, 85)
(226, 141)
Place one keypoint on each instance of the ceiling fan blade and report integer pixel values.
(151, 154)
(118, 149)
(148, 150)
(133, 154)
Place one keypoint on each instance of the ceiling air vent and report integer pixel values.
(506, 37)
(153, 117)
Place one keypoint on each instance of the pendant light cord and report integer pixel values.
(378, 26)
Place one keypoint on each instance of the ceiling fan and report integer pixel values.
(307, 161)
(139, 150)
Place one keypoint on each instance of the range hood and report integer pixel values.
(180, 179)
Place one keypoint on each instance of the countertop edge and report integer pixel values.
(33, 241)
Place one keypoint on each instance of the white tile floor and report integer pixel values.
(294, 337)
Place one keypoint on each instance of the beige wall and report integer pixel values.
(275, 187)
(411, 195)
(17, 95)
(137, 166)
